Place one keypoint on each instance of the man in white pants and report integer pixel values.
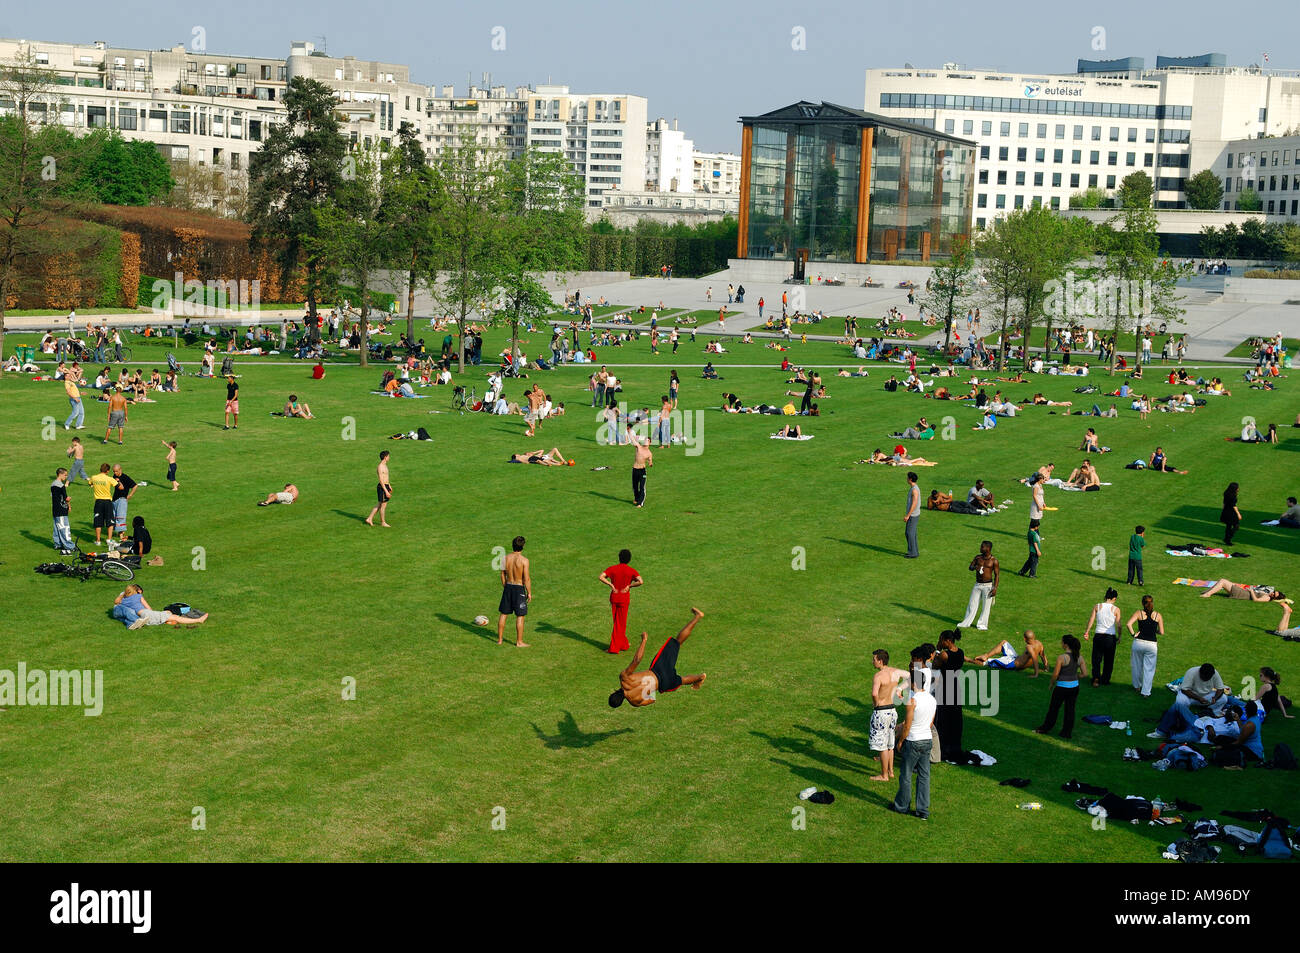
(985, 567)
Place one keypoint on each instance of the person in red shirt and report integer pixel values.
(621, 579)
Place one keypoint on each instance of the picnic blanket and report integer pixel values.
(1199, 583)
(777, 436)
(384, 393)
(1180, 551)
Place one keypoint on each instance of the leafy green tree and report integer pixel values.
(1135, 190)
(1044, 246)
(410, 199)
(1144, 285)
(952, 287)
(1204, 191)
(299, 167)
(1090, 198)
(999, 268)
(1248, 200)
(122, 172)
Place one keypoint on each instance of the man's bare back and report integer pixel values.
(516, 569)
(884, 687)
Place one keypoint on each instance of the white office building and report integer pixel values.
(1270, 166)
(603, 136)
(1043, 137)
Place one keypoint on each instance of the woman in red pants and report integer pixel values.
(620, 579)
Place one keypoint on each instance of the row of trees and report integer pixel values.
(1033, 268)
(472, 226)
(1268, 241)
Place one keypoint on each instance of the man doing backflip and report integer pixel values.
(643, 688)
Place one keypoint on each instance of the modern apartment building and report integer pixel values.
(669, 166)
(1042, 137)
(492, 115)
(1270, 166)
(715, 172)
(602, 135)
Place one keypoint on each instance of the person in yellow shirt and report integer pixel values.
(102, 485)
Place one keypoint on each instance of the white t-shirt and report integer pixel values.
(1107, 616)
(923, 705)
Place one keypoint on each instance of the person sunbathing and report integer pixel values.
(130, 606)
(1085, 476)
(790, 432)
(287, 495)
(1234, 590)
(549, 458)
(877, 456)
(1004, 656)
(1090, 444)
(945, 502)
(1039, 400)
(292, 408)
(901, 459)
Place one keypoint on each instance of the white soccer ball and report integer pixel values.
(480, 620)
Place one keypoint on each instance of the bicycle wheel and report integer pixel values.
(126, 354)
(116, 569)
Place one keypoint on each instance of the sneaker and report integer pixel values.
(139, 623)
(1158, 735)
(1161, 765)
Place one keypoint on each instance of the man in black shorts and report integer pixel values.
(642, 688)
(516, 592)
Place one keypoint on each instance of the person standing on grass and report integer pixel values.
(232, 402)
(912, 517)
(1231, 516)
(1105, 615)
(78, 415)
(1136, 543)
(665, 421)
(122, 493)
(621, 579)
(383, 492)
(672, 339)
(171, 464)
(102, 485)
(1030, 568)
(78, 454)
(642, 460)
(1150, 626)
(987, 573)
(62, 510)
(948, 723)
(885, 694)
(1065, 687)
(913, 747)
(516, 593)
(117, 414)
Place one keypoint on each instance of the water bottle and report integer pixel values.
(1128, 729)
(1031, 806)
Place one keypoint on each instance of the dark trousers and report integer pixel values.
(1103, 656)
(913, 548)
(1062, 696)
(1135, 569)
(1229, 530)
(638, 485)
(1030, 568)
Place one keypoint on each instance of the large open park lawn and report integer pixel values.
(245, 716)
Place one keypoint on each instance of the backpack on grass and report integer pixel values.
(1283, 757)
(1273, 842)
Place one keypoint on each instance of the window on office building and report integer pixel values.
(1058, 155)
(1148, 160)
(1092, 181)
(949, 126)
(982, 200)
(1002, 177)
(984, 152)
(1056, 180)
(1038, 180)
(1074, 180)
(1042, 130)
(1023, 130)
(1110, 181)
(967, 127)
(1060, 130)
(1227, 184)
(1130, 158)
(1020, 178)
(1094, 157)
(1096, 133)
(1076, 156)
(1000, 200)
(986, 128)
(1151, 135)
(1114, 133)
(984, 177)
(1040, 155)
(1112, 158)
(1020, 201)
(979, 223)
(1078, 132)
(1004, 129)
(1003, 153)
(1056, 201)
(1132, 134)
(1021, 154)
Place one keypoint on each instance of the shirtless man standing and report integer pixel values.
(517, 592)
(884, 716)
(986, 569)
(533, 417)
(116, 414)
(642, 688)
(643, 460)
(383, 492)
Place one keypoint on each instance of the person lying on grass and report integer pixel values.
(545, 458)
(1038, 400)
(901, 459)
(287, 495)
(790, 432)
(945, 502)
(1235, 590)
(1004, 656)
(135, 613)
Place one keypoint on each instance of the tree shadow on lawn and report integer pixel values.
(570, 634)
(482, 631)
(569, 735)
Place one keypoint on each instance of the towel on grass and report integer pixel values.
(1199, 583)
(777, 436)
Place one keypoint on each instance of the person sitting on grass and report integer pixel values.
(923, 430)
(135, 613)
(545, 458)
(1160, 462)
(1085, 477)
(709, 374)
(1090, 443)
(287, 495)
(1004, 656)
(292, 408)
(731, 404)
(1235, 590)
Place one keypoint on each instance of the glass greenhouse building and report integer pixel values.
(821, 182)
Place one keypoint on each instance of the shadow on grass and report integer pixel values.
(482, 631)
(1201, 524)
(919, 611)
(569, 735)
(352, 516)
(570, 634)
(861, 545)
(606, 496)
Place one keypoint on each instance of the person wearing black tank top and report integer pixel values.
(1150, 626)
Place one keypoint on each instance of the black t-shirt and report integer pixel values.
(232, 390)
(124, 487)
(141, 542)
(59, 498)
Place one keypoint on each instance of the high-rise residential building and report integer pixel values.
(715, 172)
(668, 158)
(602, 135)
(1044, 136)
(493, 116)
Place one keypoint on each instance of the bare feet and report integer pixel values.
(523, 645)
(389, 525)
(697, 613)
(880, 777)
(703, 676)
(368, 523)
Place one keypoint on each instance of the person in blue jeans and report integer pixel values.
(915, 739)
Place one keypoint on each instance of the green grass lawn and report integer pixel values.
(244, 716)
(1245, 350)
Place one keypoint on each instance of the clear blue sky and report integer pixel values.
(704, 62)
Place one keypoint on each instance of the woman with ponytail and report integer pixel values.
(1065, 687)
